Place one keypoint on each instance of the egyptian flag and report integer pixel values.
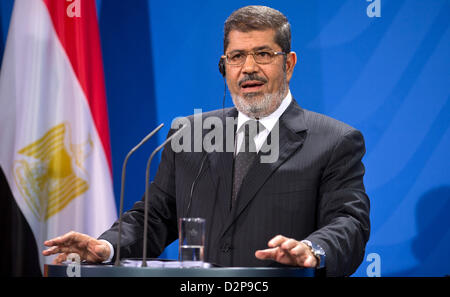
(55, 155)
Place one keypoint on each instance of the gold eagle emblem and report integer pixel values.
(48, 177)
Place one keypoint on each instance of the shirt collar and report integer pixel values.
(269, 121)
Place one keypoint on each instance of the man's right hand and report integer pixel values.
(88, 248)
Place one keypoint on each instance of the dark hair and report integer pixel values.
(250, 18)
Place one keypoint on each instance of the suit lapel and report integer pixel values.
(292, 129)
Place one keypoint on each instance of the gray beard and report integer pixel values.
(261, 108)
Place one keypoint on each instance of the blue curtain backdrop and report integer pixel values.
(388, 76)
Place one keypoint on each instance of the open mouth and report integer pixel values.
(252, 85)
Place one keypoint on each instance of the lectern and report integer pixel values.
(158, 268)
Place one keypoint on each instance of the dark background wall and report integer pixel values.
(387, 76)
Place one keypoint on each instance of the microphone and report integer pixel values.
(147, 179)
(194, 184)
(122, 187)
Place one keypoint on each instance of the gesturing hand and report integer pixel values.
(88, 248)
(288, 251)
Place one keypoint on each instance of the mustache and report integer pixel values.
(252, 77)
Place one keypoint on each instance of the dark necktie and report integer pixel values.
(244, 159)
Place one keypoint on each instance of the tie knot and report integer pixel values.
(252, 128)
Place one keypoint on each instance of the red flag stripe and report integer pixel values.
(81, 40)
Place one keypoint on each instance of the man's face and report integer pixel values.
(257, 89)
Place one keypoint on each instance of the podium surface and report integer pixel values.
(87, 270)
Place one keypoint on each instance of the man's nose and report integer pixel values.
(250, 65)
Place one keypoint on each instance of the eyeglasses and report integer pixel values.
(261, 57)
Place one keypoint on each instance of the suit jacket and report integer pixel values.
(313, 191)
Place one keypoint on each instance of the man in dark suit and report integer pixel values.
(306, 207)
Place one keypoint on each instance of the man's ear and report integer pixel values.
(291, 60)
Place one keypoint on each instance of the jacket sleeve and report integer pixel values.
(162, 219)
(343, 207)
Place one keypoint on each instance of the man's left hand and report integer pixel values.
(288, 251)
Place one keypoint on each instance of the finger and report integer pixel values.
(53, 241)
(102, 251)
(276, 254)
(289, 244)
(49, 242)
(277, 241)
(69, 238)
(66, 239)
(299, 250)
(267, 254)
(60, 258)
(56, 241)
(50, 251)
(310, 261)
(304, 256)
(61, 249)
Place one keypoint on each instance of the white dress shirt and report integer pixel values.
(268, 122)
